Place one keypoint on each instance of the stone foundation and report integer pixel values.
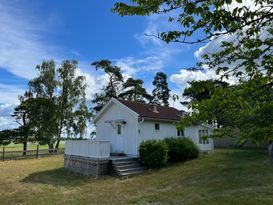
(87, 166)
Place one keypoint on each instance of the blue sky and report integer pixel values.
(32, 31)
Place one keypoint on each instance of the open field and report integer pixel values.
(31, 146)
(227, 176)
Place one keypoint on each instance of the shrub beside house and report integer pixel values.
(156, 153)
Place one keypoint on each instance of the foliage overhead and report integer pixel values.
(245, 33)
(249, 52)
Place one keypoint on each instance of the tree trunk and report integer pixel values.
(270, 151)
(59, 136)
(25, 148)
(25, 136)
(57, 145)
(50, 147)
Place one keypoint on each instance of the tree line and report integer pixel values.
(54, 105)
(129, 89)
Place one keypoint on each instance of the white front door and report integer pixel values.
(119, 139)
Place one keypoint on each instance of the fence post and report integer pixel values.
(3, 154)
(37, 152)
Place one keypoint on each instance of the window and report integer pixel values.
(119, 129)
(203, 136)
(200, 137)
(180, 133)
(157, 127)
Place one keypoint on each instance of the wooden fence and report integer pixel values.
(34, 153)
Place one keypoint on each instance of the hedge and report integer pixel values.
(181, 149)
(153, 153)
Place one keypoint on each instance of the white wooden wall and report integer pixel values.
(88, 148)
(147, 130)
(193, 134)
(105, 131)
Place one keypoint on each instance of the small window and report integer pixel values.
(119, 129)
(200, 137)
(180, 133)
(157, 127)
(202, 134)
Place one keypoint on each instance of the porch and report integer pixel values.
(93, 158)
(88, 148)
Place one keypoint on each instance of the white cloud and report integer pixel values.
(94, 82)
(250, 4)
(6, 121)
(9, 93)
(22, 45)
(131, 65)
(182, 78)
(157, 53)
(155, 24)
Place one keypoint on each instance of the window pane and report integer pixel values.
(178, 133)
(156, 126)
(200, 137)
(119, 129)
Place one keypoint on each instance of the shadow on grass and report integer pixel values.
(57, 177)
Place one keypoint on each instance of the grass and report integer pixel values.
(226, 176)
(31, 146)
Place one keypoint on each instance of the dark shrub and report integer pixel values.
(181, 149)
(153, 153)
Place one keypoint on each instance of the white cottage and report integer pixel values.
(125, 124)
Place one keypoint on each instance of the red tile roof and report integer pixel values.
(147, 111)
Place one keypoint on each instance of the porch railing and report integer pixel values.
(88, 148)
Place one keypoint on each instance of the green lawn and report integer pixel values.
(31, 146)
(226, 176)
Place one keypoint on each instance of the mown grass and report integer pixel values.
(226, 176)
(31, 146)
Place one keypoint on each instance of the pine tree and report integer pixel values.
(161, 93)
(134, 91)
(111, 90)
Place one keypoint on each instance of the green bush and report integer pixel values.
(181, 149)
(153, 153)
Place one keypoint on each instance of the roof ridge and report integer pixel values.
(130, 101)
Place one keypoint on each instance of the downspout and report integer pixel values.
(138, 135)
(141, 121)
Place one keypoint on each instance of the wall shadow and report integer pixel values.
(57, 177)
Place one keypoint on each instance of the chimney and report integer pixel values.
(155, 109)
